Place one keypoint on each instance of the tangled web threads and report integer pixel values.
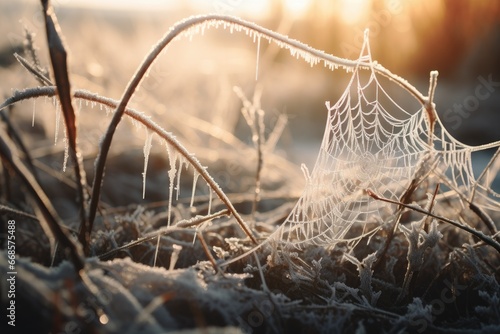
(371, 142)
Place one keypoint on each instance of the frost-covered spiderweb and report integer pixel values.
(371, 142)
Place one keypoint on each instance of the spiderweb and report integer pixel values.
(371, 142)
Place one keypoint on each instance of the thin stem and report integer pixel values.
(195, 221)
(148, 237)
(12, 211)
(486, 239)
(432, 85)
(430, 106)
(39, 76)
(483, 173)
(51, 223)
(13, 133)
(180, 226)
(207, 251)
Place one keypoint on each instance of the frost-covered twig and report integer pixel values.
(418, 242)
(254, 116)
(430, 106)
(197, 220)
(39, 76)
(365, 270)
(180, 226)
(486, 239)
(494, 161)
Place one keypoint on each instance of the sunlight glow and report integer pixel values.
(297, 7)
(352, 11)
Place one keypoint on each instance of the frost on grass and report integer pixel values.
(197, 25)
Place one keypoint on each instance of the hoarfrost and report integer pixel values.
(182, 162)
(173, 156)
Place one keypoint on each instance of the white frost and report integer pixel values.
(182, 162)
(196, 175)
(173, 157)
(257, 60)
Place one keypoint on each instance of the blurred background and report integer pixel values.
(108, 39)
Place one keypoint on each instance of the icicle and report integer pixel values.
(257, 60)
(58, 121)
(147, 151)
(135, 123)
(172, 155)
(194, 235)
(156, 250)
(34, 112)
(195, 180)
(66, 150)
(175, 256)
(209, 200)
(178, 184)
